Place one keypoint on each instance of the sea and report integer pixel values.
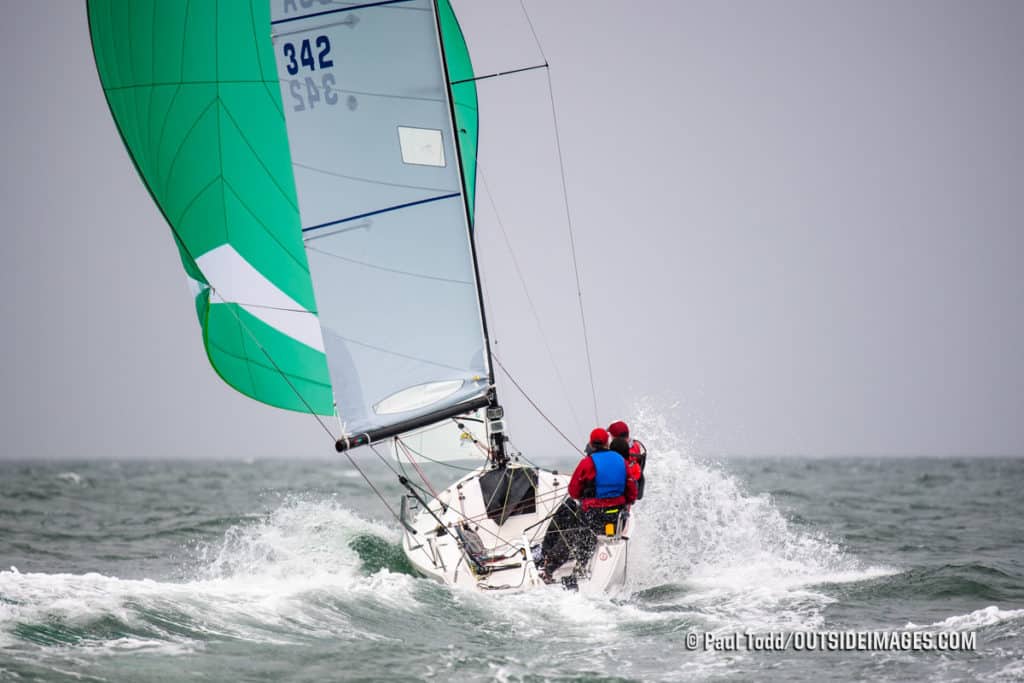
(741, 569)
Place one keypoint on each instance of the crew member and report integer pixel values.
(600, 481)
(603, 488)
(632, 450)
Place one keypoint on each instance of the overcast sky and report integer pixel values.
(799, 227)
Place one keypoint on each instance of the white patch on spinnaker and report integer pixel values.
(235, 281)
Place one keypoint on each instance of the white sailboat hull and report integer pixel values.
(435, 540)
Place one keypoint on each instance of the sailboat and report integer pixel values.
(316, 163)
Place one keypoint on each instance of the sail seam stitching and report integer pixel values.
(263, 225)
(259, 160)
(389, 270)
(401, 355)
(364, 179)
(184, 141)
(257, 363)
(195, 198)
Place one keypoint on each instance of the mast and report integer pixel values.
(495, 413)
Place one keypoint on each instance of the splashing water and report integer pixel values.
(265, 581)
(303, 539)
(733, 554)
(312, 588)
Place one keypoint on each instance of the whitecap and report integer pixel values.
(989, 616)
(70, 477)
(738, 560)
(282, 579)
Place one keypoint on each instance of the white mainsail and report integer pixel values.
(384, 211)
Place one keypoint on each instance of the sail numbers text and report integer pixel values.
(303, 55)
(307, 92)
(310, 54)
(294, 5)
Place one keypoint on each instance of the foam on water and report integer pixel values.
(730, 559)
(708, 555)
(300, 539)
(70, 477)
(989, 616)
(737, 559)
(264, 581)
(300, 587)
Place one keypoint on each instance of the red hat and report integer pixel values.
(618, 429)
(599, 436)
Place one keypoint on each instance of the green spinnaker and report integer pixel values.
(193, 89)
(460, 73)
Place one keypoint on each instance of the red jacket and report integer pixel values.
(637, 459)
(585, 472)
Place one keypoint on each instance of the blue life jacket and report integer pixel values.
(610, 481)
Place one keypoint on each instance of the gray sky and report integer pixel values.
(798, 223)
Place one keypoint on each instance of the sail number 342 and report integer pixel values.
(307, 92)
(303, 56)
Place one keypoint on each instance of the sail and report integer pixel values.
(384, 207)
(463, 87)
(193, 90)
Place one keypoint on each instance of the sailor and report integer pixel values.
(632, 450)
(603, 489)
(599, 445)
(601, 481)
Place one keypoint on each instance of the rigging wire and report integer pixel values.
(529, 299)
(372, 487)
(418, 454)
(535, 406)
(310, 409)
(416, 466)
(266, 353)
(568, 213)
(407, 449)
(302, 398)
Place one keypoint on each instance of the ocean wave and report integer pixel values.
(989, 616)
(969, 580)
(302, 537)
(70, 477)
(1014, 671)
(297, 574)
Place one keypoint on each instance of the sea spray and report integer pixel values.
(728, 551)
(305, 536)
(698, 520)
(287, 577)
